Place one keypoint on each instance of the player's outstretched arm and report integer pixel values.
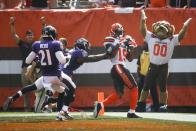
(184, 29)
(13, 32)
(92, 58)
(143, 27)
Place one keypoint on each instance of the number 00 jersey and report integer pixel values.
(46, 51)
(160, 50)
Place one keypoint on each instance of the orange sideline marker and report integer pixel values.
(100, 99)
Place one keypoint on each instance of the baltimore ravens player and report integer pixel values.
(122, 49)
(50, 55)
(78, 55)
(161, 42)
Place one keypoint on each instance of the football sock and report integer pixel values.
(25, 90)
(60, 101)
(133, 98)
(110, 99)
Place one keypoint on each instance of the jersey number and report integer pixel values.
(160, 50)
(45, 57)
(122, 54)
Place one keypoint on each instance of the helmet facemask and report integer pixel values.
(49, 32)
(117, 30)
(82, 43)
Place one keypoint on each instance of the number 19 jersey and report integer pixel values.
(120, 53)
(160, 50)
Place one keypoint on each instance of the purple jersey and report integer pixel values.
(46, 52)
(73, 64)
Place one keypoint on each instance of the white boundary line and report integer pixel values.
(188, 117)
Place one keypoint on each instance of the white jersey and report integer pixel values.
(160, 50)
(120, 57)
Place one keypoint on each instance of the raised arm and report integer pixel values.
(13, 32)
(143, 27)
(92, 58)
(43, 21)
(184, 29)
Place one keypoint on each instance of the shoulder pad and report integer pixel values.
(109, 39)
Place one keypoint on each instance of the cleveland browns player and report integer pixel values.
(161, 42)
(122, 49)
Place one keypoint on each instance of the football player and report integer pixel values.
(122, 47)
(78, 56)
(50, 55)
(161, 42)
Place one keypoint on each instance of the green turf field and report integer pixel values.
(21, 121)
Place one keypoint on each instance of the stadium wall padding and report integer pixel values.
(94, 24)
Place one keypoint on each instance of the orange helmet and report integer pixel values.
(117, 30)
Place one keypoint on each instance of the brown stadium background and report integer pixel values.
(95, 25)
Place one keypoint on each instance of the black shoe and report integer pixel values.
(141, 107)
(97, 108)
(132, 115)
(7, 103)
(163, 108)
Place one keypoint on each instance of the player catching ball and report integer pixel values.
(161, 42)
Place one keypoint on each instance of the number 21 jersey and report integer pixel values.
(46, 51)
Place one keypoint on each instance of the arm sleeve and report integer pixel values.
(175, 40)
(148, 35)
(30, 57)
(61, 58)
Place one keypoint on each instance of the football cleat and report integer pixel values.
(46, 109)
(62, 115)
(97, 108)
(132, 115)
(163, 108)
(7, 103)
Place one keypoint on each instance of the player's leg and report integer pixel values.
(162, 81)
(65, 100)
(150, 78)
(119, 91)
(130, 82)
(35, 86)
(25, 82)
(140, 84)
(40, 97)
(155, 98)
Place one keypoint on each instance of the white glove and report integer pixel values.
(143, 15)
(186, 23)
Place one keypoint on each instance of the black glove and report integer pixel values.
(49, 93)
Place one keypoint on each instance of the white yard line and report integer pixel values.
(162, 116)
